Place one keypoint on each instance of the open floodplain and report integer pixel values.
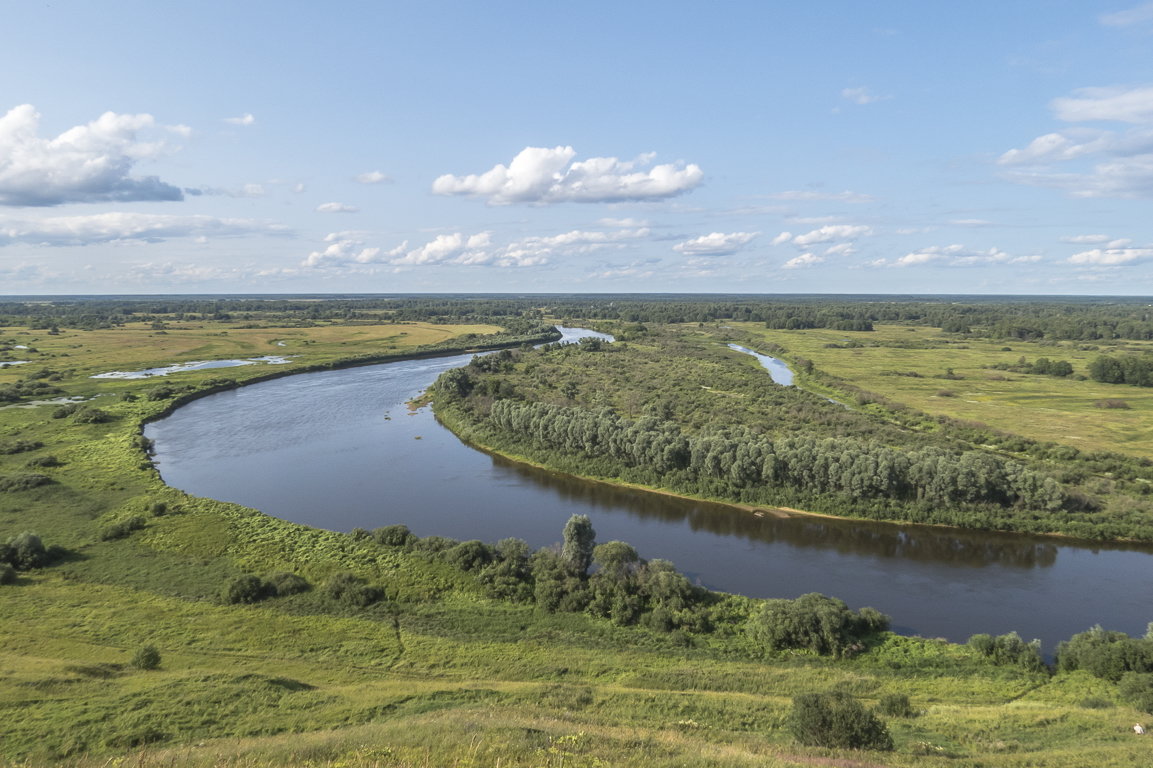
(436, 670)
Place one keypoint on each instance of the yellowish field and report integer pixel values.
(137, 346)
(1038, 407)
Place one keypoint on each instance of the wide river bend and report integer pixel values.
(340, 449)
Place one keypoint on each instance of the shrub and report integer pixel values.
(394, 536)
(1113, 404)
(1009, 649)
(814, 622)
(7, 574)
(88, 415)
(22, 482)
(1105, 654)
(1136, 688)
(44, 461)
(896, 705)
(20, 446)
(246, 589)
(837, 720)
(146, 657)
(350, 589)
(121, 528)
(283, 584)
(25, 551)
(434, 544)
(470, 555)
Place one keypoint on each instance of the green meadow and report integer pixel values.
(438, 673)
(912, 365)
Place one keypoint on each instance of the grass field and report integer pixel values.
(135, 347)
(438, 675)
(1061, 410)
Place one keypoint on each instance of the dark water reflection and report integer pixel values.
(975, 550)
(339, 449)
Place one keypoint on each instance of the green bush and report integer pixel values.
(7, 574)
(122, 528)
(146, 657)
(22, 482)
(896, 705)
(837, 720)
(1136, 688)
(88, 415)
(284, 584)
(25, 551)
(470, 555)
(394, 536)
(246, 589)
(814, 622)
(1009, 649)
(350, 589)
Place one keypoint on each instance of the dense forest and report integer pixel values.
(674, 408)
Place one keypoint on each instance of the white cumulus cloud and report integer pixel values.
(343, 248)
(245, 119)
(715, 244)
(802, 261)
(544, 175)
(956, 256)
(336, 208)
(828, 234)
(86, 163)
(372, 177)
(1111, 257)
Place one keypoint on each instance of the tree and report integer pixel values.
(579, 540)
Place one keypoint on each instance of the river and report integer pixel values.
(340, 449)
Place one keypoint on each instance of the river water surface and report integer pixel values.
(340, 449)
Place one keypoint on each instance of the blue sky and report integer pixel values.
(767, 147)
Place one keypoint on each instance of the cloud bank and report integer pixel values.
(114, 227)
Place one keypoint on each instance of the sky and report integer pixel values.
(990, 147)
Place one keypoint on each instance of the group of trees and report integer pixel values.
(1042, 366)
(1134, 370)
(612, 581)
(739, 464)
(1113, 656)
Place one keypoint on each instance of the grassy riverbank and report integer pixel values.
(438, 673)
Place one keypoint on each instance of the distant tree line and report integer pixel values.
(1085, 319)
